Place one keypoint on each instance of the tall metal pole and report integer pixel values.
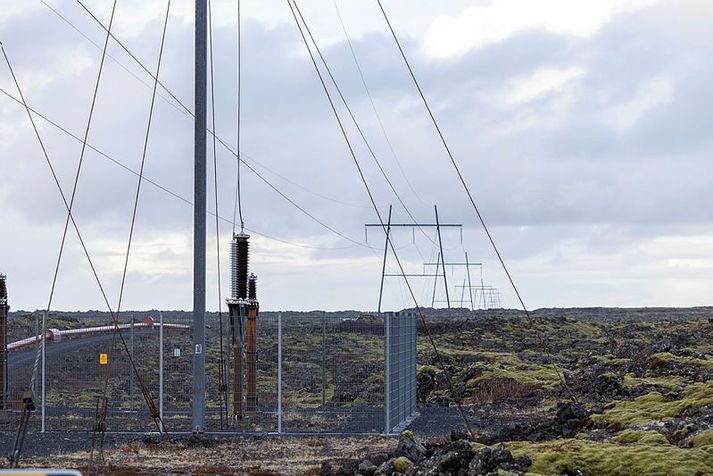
(383, 266)
(199, 216)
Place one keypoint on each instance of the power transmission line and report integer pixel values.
(356, 123)
(378, 214)
(178, 196)
(530, 317)
(373, 103)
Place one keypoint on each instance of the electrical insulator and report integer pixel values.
(239, 265)
(3, 290)
(252, 287)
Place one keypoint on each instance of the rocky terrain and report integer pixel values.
(640, 401)
(640, 398)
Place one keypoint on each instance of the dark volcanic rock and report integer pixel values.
(410, 447)
(598, 383)
(490, 460)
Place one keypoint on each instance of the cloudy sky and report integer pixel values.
(583, 129)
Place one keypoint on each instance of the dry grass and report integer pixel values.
(245, 456)
(494, 390)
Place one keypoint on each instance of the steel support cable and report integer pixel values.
(220, 140)
(70, 216)
(191, 114)
(30, 111)
(359, 129)
(81, 157)
(185, 200)
(222, 386)
(373, 103)
(128, 52)
(531, 319)
(439, 360)
(22, 428)
(145, 392)
(119, 63)
(356, 123)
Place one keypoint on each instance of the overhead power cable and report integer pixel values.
(70, 217)
(128, 52)
(373, 103)
(185, 108)
(244, 157)
(108, 55)
(356, 123)
(441, 364)
(218, 138)
(178, 196)
(529, 315)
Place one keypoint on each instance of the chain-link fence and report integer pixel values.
(314, 373)
(401, 362)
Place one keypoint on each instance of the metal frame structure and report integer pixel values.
(387, 227)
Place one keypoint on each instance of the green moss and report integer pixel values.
(668, 382)
(476, 446)
(610, 359)
(654, 406)
(501, 365)
(669, 357)
(703, 439)
(603, 458)
(641, 437)
(401, 464)
(526, 375)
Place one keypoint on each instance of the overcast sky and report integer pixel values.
(583, 129)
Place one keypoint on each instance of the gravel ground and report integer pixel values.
(434, 421)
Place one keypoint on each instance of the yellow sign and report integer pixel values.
(103, 359)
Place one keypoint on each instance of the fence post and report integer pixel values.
(37, 340)
(413, 363)
(279, 372)
(160, 367)
(44, 371)
(131, 367)
(324, 362)
(387, 372)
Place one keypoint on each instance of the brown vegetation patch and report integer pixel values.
(495, 390)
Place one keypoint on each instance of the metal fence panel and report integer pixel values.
(325, 374)
(401, 357)
(332, 374)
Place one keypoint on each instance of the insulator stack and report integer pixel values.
(239, 266)
(3, 290)
(252, 287)
(243, 307)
